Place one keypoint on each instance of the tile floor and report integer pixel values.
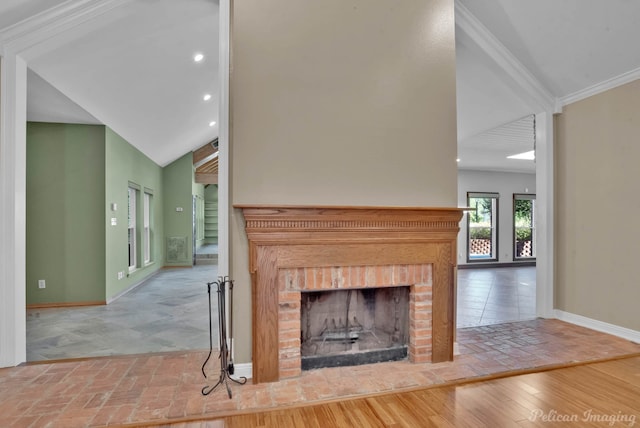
(496, 295)
(169, 313)
(164, 388)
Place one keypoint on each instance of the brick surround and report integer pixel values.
(291, 282)
(293, 248)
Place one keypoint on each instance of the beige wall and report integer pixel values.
(597, 176)
(339, 102)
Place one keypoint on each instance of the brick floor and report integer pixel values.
(164, 388)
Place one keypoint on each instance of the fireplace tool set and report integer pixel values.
(226, 351)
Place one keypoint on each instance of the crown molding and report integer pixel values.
(477, 32)
(603, 86)
(38, 28)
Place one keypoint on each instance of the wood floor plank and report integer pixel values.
(627, 370)
(591, 395)
(602, 391)
(486, 407)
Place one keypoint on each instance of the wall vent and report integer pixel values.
(177, 249)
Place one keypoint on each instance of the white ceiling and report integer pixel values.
(489, 150)
(131, 69)
(568, 45)
(47, 104)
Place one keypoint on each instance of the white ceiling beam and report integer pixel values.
(476, 31)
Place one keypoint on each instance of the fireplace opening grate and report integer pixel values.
(354, 326)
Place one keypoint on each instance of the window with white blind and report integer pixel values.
(132, 229)
(146, 227)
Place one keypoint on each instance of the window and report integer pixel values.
(132, 230)
(146, 224)
(524, 233)
(199, 217)
(482, 227)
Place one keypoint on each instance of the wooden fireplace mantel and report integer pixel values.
(283, 237)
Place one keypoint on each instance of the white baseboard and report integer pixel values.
(243, 369)
(625, 333)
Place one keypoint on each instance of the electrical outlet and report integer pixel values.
(120, 275)
(41, 283)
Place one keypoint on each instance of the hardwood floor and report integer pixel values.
(590, 395)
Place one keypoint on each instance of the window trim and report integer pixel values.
(524, 196)
(495, 227)
(132, 226)
(147, 221)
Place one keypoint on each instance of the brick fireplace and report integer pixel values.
(293, 249)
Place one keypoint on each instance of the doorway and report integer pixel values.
(497, 279)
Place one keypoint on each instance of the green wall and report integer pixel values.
(65, 195)
(75, 175)
(178, 225)
(124, 165)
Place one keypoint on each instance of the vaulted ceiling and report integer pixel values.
(514, 55)
(132, 69)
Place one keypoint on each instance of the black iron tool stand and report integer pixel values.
(226, 368)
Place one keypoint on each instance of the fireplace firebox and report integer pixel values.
(353, 327)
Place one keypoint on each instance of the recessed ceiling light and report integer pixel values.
(206, 97)
(212, 123)
(458, 160)
(524, 156)
(198, 57)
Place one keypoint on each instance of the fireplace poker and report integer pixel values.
(210, 331)
(230, 369)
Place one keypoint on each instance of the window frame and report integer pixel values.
(132, 226)
(494, 226)
(147, 227)
(531, 197)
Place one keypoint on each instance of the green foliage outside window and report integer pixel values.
(523, 219)
(482, 211)
(480, 232)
